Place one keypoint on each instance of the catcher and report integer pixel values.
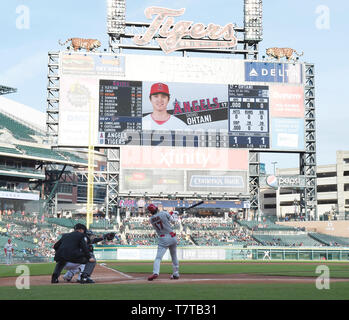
(84, 270)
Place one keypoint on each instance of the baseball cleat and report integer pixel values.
(174, 277)
(54, 280)
(67, 279)
(86, 280)
(152, 277)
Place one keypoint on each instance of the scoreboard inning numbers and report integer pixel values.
(248, 116)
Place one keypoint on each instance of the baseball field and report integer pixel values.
(202, 280)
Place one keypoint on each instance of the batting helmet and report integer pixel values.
(152, 208)
(80, 226)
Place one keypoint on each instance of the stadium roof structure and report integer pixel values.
(24, 139)
(42, 154)
(6, 90)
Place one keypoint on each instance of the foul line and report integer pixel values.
(117, 271)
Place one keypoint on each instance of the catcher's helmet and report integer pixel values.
(80, 226)
(152, 208)
(89, 233)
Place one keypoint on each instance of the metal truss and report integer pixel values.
(113, 174)
(308, 165)
(254, 165)
(52, 110)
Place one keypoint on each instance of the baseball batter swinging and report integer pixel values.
(161, 222)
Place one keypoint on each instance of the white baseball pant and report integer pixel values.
(164, 243)
(9, 258)
(72, 269)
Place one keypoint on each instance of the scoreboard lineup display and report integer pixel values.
(120, 109)
(247, 116)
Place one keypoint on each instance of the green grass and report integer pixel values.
(36, 269)
(337, 270)
(180, 291)
(149, 291)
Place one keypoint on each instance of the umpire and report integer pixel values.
(73, 247)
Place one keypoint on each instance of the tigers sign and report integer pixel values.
(184, 34)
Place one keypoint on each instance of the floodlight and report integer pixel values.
(253, 20)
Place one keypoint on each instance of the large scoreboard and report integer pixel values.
(221, 103)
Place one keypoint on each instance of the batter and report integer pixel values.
(161, 222)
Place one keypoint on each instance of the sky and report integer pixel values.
(32, 28)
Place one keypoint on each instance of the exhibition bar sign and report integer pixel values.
(184, 34)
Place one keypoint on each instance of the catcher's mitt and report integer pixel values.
(109, 236)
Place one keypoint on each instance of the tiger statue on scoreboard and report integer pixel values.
(279, 53)
(80, 43)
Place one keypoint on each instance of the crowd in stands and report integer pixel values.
(34, 235)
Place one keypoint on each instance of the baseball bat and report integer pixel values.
(181, 210)
(195, 205)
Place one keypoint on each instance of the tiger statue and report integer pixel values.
(279, 53)
(79, 43)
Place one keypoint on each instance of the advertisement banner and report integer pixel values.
(92, 65)
(213, 204)
(19, 195)
(142, 180)
(183, 158)
(217, 181)
(286, 101)
(77, 99)
(284, 181)
(288, 134)
(274, 72)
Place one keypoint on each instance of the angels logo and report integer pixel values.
(272, 181)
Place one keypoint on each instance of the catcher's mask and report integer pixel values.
(89, 233)
(80, 226)
(152, 208)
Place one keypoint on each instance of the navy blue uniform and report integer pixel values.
(72, 247)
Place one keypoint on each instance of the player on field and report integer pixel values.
(9, 252)
(161, 222)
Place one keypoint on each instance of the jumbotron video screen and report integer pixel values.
(221, 103)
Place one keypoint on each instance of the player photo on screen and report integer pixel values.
(160, 118)
(184, 106)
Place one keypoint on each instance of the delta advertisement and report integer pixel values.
(114, 97)
(164, 169)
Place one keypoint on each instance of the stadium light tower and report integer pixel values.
(253, 20)
(116, 20)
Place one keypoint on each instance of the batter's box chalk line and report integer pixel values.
(119, 272)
